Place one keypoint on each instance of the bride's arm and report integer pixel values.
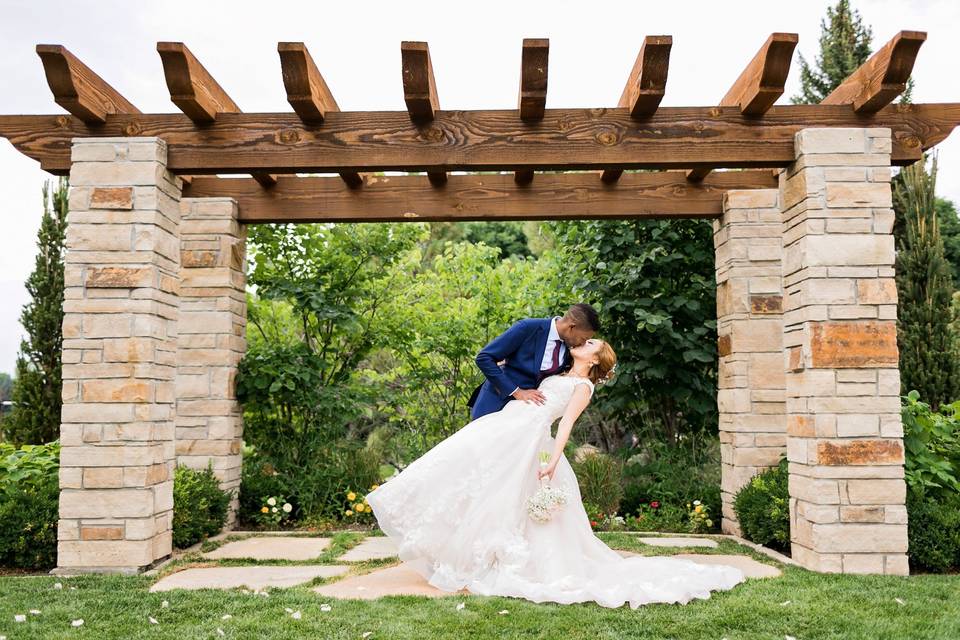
(578, 402)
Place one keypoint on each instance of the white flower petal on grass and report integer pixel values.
(220, 632)
(461, 606)
(35, 612)
(502, 612)
(226, 616)
(784, 603)
(288, 609)
(324, 607)
(152, 620)
(77, 623)
(20, 617)
(73, 588)
(366, 634)
(899, 601)
(789, 638)
(57, 585)
(296, 615)
(164, 604)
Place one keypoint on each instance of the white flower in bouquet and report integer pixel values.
(547, 500)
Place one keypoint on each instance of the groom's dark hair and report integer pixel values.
(585, 316)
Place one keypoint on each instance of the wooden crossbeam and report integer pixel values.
(196, 93)
(480, 197)
(533, 89)
(645, 86)
(307, 92)
(567, 139)
(883, 77)
(760, 83)
(420, 94)
(78, 89)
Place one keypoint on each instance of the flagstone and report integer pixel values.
(397, 580)
(750, 567)
(272, 548)
(372, 548)
(679, 542)
(258, 577)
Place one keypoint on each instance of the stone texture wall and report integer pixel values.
(212, 339)
(844, 436)
(119, 349)
(751, 379)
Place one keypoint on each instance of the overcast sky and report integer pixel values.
(474, 46)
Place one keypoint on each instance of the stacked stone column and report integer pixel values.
(119, 348)
(844, 435)
(750, 395)
(212, 339)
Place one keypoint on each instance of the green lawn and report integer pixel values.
(801, 604)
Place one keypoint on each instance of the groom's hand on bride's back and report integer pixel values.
(529, 395)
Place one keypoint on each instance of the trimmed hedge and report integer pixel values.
(763, 508)
(199, 506)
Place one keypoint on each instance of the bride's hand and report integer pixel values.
(547, 472)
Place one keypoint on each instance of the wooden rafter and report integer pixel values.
(307, 92)
(78, 89)
(760, 83)
(532, 101)
(420, 95)
(882, 78)
(480, 197)
(673, 138)
(645, 86)
(196, 93)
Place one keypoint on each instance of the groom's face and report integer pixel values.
(574, 336)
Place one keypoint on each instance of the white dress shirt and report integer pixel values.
(547, 360)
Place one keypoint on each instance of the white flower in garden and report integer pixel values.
(35, 612)
(77, 623)
(274, 509)
(272, 501)
(287, 507)
(220, 632)
(696, 502)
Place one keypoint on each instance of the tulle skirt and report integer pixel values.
(458, 516)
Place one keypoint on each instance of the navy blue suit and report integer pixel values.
(522, 347)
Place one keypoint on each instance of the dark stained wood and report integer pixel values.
(480, 197)
(881, 78)
(533, 89)
(78, 89)
(673, 138)
(645, 86)
(761, 82)
(196, 93)
(420, 94)
(307, 92)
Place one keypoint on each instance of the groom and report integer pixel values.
(532, 349)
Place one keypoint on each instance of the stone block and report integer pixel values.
(859, 538)
(854, 344)
(859, 452)
(876, 491)
(111, 198)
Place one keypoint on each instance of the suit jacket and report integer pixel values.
(522, 346)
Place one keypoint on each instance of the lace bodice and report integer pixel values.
(558, 390)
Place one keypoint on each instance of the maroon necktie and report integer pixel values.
(555, 364)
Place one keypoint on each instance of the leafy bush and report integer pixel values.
(599, 476)
(259, 479)
(931, 442)
(763, 508)
(658, 516)
(199, 505)
(29, 505)
(933, 531)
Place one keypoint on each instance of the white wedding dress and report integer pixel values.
(458, 515)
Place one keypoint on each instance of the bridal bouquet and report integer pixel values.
(547, 500)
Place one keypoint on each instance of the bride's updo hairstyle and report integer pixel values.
(604, 369)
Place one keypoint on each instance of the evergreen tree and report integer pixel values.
(37, 389)
(844, 46)
(928, 348)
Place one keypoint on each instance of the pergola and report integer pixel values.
(800, 197)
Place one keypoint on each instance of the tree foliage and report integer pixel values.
(844, 46)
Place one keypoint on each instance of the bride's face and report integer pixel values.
(587, 350)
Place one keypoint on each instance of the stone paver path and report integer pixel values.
(679, 542)
(750, 567)
(399, 580)
(272, 548)
(372, 548)
(258, 577)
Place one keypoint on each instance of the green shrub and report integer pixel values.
(199, 505)
(259, 479)
(600, 478)
(29, 505)
(934, 531)
(763, 508)
(931, 443)
(28, 525)
(662, 517)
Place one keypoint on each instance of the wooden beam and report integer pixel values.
(882, 78)
(481, 197)
(307, 92)
(78, 89)
(420, 95)
(760, 83)
(567, 139)
(196, 93)
(645, 86)
(533, 89)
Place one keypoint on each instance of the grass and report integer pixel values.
(819, 606)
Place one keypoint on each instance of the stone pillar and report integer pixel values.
(750, 395)
(119, 345)
(844, 435)
(213, 315)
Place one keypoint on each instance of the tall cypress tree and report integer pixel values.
(844, 46)
(37, 389)
(928, 347)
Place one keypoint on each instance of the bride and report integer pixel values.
(459, 512)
